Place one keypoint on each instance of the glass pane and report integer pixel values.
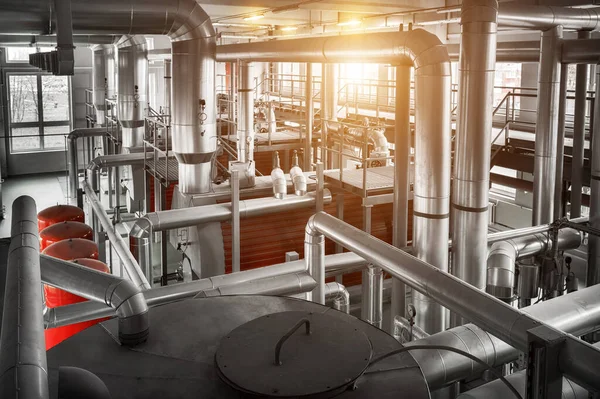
(55, 93)
(19, 54)
(25, 139)
(54, 137)
(23, 98)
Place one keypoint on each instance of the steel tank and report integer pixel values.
(59, 213)
(72, 248)
(63, 231)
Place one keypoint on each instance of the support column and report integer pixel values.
(581, 86)
(546, 131)
(309, 113)
(402, 145)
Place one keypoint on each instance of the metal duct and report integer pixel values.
(99, 82)
(560, 145)
(546, 128)
(593, 271)
(287, 284)
(23, 368)
(177, 218)
(132, 97)
(111, 71)
(470, 195)
(497, 317)
(245, 125)
(548, 17)
(110, 161)
(429, 56)
(73, 166)
(167, 90)
(581, 51)
(33, 40)
(338, 295)
(122, 295)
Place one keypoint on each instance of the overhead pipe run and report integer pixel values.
(471, 177)
(122, 295)
(23, 367)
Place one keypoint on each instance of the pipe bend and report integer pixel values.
(142, 228)
(134, 325)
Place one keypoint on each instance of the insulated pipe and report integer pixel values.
(167, 90)
(99, 82)
(546, 126)
(109, 161)
(132, 98)
(548, 17)
(560, 145)
(34, 40)
(73, 167)
(577, 51)
(111, 71)
(287, 284)
(497, 317)
(23, 367)
(118, 244)
(470, 195)
(338, 295)
(581, 86)
(278, 179)
(297, 176)
(329, 104)
(577, 313)
(122, 295)
(245, 130)
(177, 218)
(593, 271)
(309, 117)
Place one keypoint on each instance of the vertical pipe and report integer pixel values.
(235, 221)
(309, 117)
(245, 135)
(376, 282)
(402, 139)
(473, 142)
(560, 144)
(329, 104)
(314, 256)
(23, 367)
(167, 93)
(546, 128)
(593, 275)
(581, 86)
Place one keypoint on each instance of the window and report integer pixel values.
(19, 54)
(40, 113)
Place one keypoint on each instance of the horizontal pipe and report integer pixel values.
(177, 218)
(118, 244)
(547, 17)
(108, 161)
(509, 324)
(23, 365)
(287, 284)
(526, 231)
(122, 295)
(50, 40)
(581, 51)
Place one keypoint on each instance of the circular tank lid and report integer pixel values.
(72, 248)
(293, 354)
(65, 230)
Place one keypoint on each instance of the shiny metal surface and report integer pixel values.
(132, 88)
(99, 82)
(560, 144)
(119, 294)
(314, 258)
(547, 126)
(548, 17)
(577, 313)
(402, 142)
(111, 71)
(338, 295)
(495, 316)
(109, 161)
(245, 125)
(73, 165)
(329, 98)
(501, 270)
(130, 265)
(195, 177)
(167, 90)
(23, 368)
(593, 272)
(309, 117)
(575, 51)
(581, 86)
(287, 284)
(473, 142)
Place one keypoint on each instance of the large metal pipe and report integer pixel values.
(547, 17)
(118, 244)
(73, 165)
(593, 271)
(581, 86)
(132, 98)
(245, 125)
(507, 323)
(287, 284)
(308, 117)
(42, 40)
(110, 161)
(560, 145)
(329, 106)
(99, 82)
(546, 126)
(167, 90)
(122, 295)
(470, 196)
(577, 51)
(23, 368)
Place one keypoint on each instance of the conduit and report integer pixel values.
(73, 166)
(593, 271)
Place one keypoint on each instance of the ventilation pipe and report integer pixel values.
(429, 56)
(111, 71)
(593, 271)
(99, 82)
(23, 368)
(297, 176)
(470, 195)
(132, 98)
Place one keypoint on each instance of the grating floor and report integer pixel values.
(377, 178)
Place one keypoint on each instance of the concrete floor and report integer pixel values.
(47, 190)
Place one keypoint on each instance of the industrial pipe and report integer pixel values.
(118, 244)
(122, 295)
(338, 295)
(577, 313)
(559, 211)
(546, 127)
(577, 51)
(309, 116)
(23, 367)
(297, 176)
(99, 81)
(73, 167)
(177, 218)
(471, 177)
(111, 161)
(287, 284)
(593, 271)
(132, 99)
(547, 17)
(505, 322)
(245, 125)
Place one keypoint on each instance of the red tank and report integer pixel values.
(59, 213)
(56, 297)
(73, 248)
(63, 231)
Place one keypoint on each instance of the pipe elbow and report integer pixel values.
(134, 325)
(142, 228)
(195, 23)
(279, 183)
(313, 235)
(299, 181)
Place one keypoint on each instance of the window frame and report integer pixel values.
(41, 124)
